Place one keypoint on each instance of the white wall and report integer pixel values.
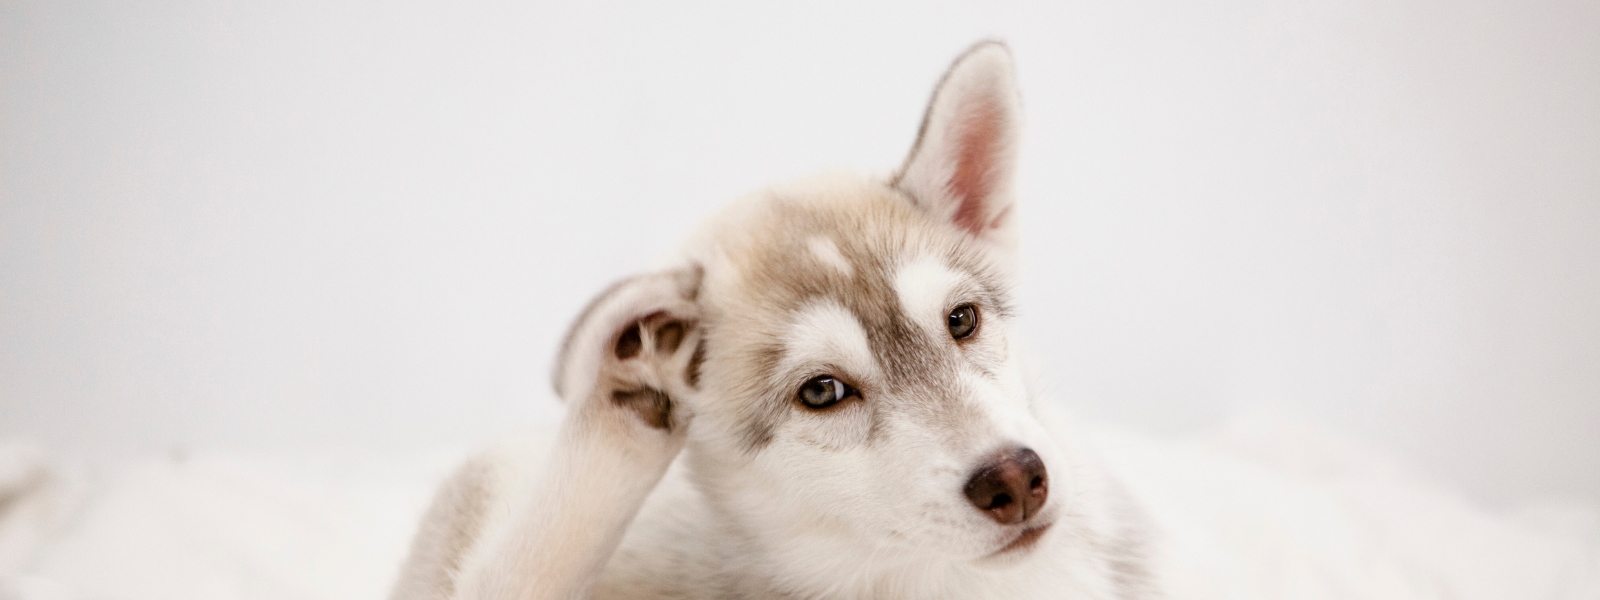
(285, 225)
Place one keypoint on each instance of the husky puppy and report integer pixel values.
(838, 362)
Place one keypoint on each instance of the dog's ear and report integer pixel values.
(632, 346)
(961, 166)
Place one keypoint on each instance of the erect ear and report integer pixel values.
(961, 166)
(634, 346)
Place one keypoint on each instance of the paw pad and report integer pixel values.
(643, 350)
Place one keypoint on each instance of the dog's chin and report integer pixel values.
(1019, 546)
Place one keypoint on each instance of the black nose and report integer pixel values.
(1010, 490)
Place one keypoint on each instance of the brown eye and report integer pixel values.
(824, 391)
(962, 321)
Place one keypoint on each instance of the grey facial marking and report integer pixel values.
(698, 357)
(756, 436)
(762, 417)
(783, 272)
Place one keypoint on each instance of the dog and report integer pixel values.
(824, 396)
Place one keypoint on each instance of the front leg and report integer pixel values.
(622, 372)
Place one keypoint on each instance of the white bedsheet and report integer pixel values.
(1259, 511)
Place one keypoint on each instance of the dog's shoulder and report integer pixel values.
(469, 509)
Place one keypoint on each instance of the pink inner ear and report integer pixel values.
(978, 140)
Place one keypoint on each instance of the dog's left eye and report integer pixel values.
(824, 391)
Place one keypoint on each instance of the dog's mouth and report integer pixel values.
(1024, 541)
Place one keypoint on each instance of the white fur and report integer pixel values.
(825, 333)
(926, 288)
(828, 252)
(774, 500)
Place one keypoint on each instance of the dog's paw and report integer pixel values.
(632, 352)
(645, 363)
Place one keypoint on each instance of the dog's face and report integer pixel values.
(857, 375)
(843, 353)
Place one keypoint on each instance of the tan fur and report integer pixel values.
(760, 270)
(840, 276)
(448, 531)
(512, 524)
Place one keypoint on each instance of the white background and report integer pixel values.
(279, 226)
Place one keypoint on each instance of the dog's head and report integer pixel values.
(855, 376)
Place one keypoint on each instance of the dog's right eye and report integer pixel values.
(962, 321)
(824, 391)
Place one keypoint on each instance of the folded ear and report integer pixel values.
(632, 347)
(961, 166)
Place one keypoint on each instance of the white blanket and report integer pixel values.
(1264, 511)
